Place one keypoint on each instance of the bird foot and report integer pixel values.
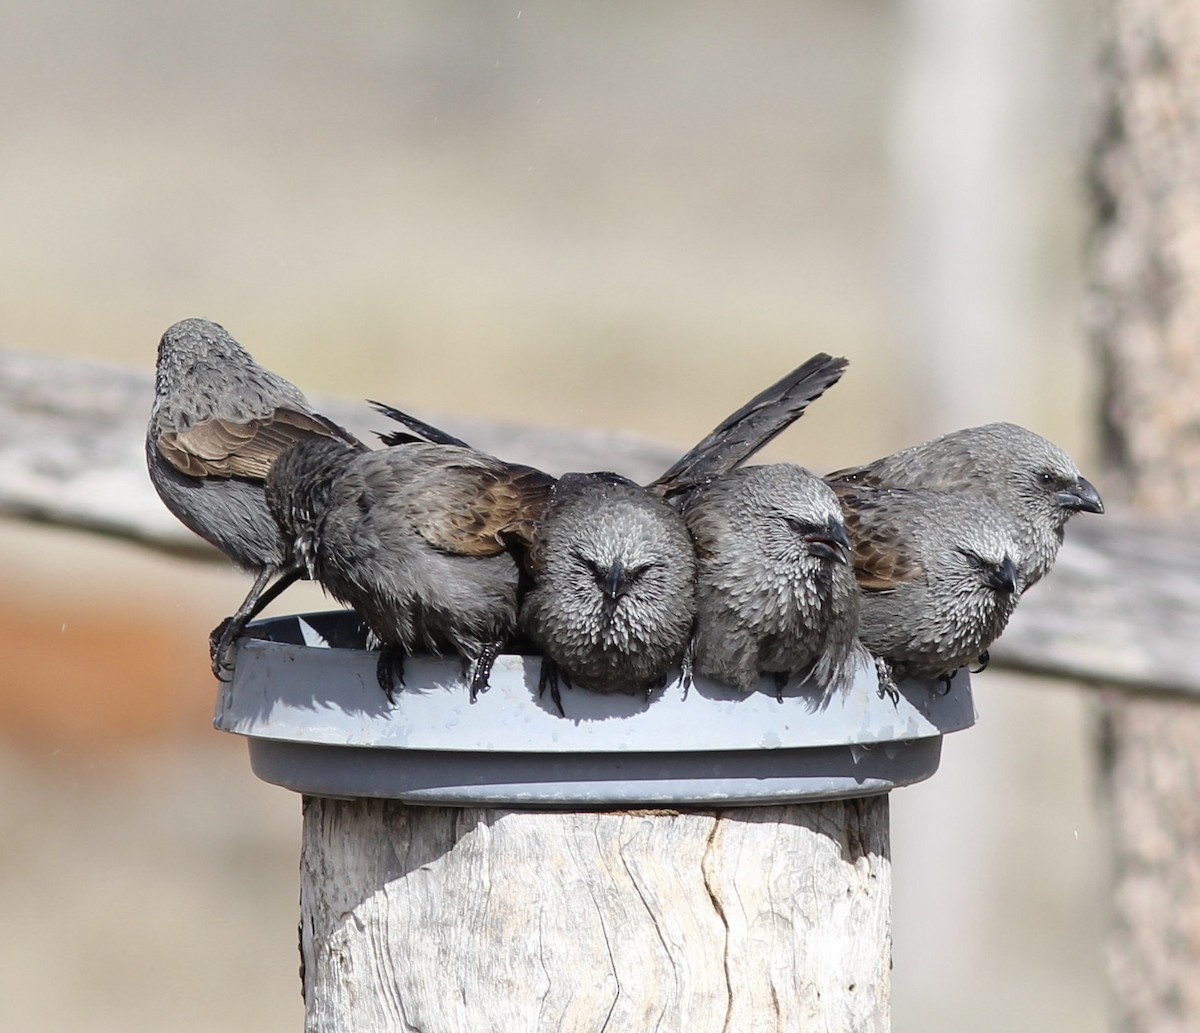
(389, 672)
(947, 681)
(482, 668)
(983, 660)
(220, 648)
(781, 680)
(887, 681)
(548, 678)
(686, 670)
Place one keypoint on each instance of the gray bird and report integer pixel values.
(776, 593)
(938, 575)
(415, 538)
(613, 591)
(1031, 479)
(218, 423)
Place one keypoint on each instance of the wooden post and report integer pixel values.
(1145, 314)
(465, 920)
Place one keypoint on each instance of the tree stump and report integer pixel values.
(464, 920)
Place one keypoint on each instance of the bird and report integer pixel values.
(613, 586)
(1030, 478)
(218, 423)
(938, 574)
(416, 538)
(776, 594)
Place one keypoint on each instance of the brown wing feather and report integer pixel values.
(479, 512)
(228, 448)
(882, 559)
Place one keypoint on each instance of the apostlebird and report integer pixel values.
(613, 592)
(938, 574)
(415, 538)
(1032, 480)
(776, 593)
(218, 424)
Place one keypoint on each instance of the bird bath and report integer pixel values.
(305, 696)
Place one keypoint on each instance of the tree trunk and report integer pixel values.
(450, 920)
(1145, 316)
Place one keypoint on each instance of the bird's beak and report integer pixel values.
(614, 584)
(1081, 496)
(832, 543)
(1004, 577)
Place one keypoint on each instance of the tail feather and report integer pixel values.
(754, 425)
(421, 431)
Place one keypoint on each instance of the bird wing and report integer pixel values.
(479, 511)
(883, 553)
(244, 448)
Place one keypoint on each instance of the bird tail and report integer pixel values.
(754, 425)
(418, 430)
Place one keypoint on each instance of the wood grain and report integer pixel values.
(460, 921)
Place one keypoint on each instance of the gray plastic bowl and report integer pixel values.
(304, 694)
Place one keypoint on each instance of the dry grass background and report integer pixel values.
(620, 215)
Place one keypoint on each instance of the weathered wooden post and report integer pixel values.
(703, 864)
(1145, 316)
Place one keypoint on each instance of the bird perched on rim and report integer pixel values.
(938, 574)
(776, 594)
(1032, 480)
(613, 593)
(612, 579)
(218, 423)
(416, 538)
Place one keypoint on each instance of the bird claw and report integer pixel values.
(548, 678)
(482, 668)
(781, 680)
(220, 648)
(983, 660)
(887, 681)
(947, 681)
(686, 671)
(389, 671)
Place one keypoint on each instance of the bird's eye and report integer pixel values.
(1046, 479)
(796, 526)
(973, 558)
(633, 573)
(586, 562)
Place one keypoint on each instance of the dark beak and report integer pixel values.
(1082, 496)
(614, 584)
(830, 544)
(1003, 578)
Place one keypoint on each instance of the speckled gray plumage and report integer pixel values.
(414, 539)
(776, 595)
(218, 421)
(938, 573)
(614, 584)
(1031, 479)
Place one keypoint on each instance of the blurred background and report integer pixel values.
(625, 216)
